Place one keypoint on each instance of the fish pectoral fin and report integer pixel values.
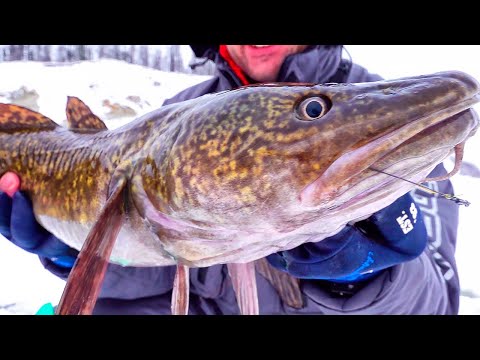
(86, 278)
(15, 118)
(81, 118)
(181, 290)
(245, 287)
(287, 286)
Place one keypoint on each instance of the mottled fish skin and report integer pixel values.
(219, 178)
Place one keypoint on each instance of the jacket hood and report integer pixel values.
(205, 51)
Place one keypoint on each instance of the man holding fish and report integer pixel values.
(399, 260)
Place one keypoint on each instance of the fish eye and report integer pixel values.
(312, 108)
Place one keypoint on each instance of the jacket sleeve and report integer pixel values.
(428, 284)
(56, 270)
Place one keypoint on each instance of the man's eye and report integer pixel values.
(313, 108)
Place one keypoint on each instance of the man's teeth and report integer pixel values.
(259, 46)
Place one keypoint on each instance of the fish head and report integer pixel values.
(403, 127)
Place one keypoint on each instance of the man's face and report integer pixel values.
(262, 62)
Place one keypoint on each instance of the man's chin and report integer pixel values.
(263, 73)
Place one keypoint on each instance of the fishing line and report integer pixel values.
(451, 197)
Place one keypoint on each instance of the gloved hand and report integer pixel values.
(18, 224)
(391, 236)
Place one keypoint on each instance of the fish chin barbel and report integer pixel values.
(230, 178)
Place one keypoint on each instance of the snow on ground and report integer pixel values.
(109, 85)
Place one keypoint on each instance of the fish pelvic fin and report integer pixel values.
(81, 118)
(181, 291)
(17, 119)
(245, 286)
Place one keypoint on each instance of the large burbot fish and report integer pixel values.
(231, 177)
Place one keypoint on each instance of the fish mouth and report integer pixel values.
(344, 172)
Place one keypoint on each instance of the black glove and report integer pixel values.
(18, 224)
(391, 236)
